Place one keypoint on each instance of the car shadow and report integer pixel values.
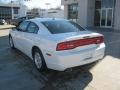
(77, 79)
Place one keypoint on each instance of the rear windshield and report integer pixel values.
(56, 27)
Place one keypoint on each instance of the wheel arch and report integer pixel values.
(10, 36)
(34, 48)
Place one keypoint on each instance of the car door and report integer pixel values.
(29, 37)
(19, 35)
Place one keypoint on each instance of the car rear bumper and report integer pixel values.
(62, 62)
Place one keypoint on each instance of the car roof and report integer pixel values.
(37, 20)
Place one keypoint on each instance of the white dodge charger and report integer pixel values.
(57, 43)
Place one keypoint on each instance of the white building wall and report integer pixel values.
(90, 13)
(85, 13)
(117, 15)
(22, 11)
(82, 14)
(66, 11)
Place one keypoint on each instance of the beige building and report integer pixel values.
(90, 13)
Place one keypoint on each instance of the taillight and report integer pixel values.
(65, 46)
(99, 39)
(81, 42)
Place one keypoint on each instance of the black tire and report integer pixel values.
(43, 64)
(11, 43)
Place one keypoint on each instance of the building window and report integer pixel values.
(98, 4)
(107, 3)
(73, 11)
(104, 12)
(104, 4)
(15, 10)
(97, 17)
(5, 13)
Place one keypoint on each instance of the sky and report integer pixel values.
(39, 3)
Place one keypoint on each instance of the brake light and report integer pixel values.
(81, 42)
(99, 39)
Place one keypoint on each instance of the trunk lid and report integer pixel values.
(66, 37)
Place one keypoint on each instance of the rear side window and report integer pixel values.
(23, 26)
(32, 28)
(77, 26)
(56, 27)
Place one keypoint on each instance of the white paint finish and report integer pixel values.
(47, 42)
(65, 60)
(117, 15)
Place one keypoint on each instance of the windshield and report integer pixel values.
(56, 27)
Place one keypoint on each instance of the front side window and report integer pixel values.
(32, 28)
(23, 26)
(56, 27)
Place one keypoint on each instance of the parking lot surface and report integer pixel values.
(17, 71)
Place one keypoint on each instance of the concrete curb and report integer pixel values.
(6, 27)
